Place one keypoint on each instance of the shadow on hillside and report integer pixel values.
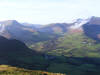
(92, 31)
(75, 65)
(15, 53)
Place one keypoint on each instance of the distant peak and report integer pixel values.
(9, 22)
(79, 22)
(94, 20)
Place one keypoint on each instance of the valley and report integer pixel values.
(66, 48)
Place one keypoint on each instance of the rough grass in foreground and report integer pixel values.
(8, 70)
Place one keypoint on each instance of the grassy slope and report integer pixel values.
(76, 54)
(76, 45)
(8, 70)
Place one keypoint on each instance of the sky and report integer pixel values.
(48, 11)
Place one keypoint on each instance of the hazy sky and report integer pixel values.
(48, 11)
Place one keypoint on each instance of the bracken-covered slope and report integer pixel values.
(9, 70)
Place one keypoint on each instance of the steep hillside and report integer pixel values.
(16, 53)
(92, 28)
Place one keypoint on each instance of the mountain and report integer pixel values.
(71, 48)
(92, 28)
(16, 53)
(78, 49)
(31, 33)
(34, 26)
(55, 28)
(60, 28)
(94, 20)
(79, 23)
(12, 29)
(77, 54)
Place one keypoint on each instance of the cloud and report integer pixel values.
(46, 11)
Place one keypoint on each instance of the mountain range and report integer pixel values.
(71, 48)
(26, 32)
